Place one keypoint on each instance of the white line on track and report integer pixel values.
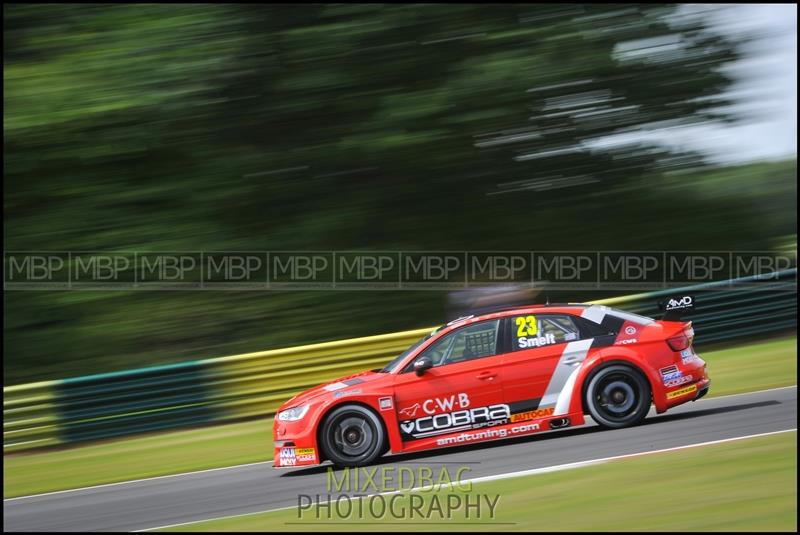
(233, 467)
(509, 475)
(747, 393)
(131, 481)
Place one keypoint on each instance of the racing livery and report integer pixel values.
(511, 372)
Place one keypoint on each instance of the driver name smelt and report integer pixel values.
(536, 341)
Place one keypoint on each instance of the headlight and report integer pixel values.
(293, 414)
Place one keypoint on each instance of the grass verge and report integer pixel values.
(747, 485)
(732, 370)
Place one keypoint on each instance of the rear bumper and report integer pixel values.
(687, 392)
(703, 391)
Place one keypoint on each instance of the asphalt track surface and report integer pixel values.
(198, 496)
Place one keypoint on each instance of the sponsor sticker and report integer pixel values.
(460, 420)
(628, 334)
(679, 381)
(679, 303)
(532, 415)
(670, 373)
(341, 393)
(291, 456)
(672, 377)
(682, 392)
(288, 457)
(488, 434)
(305, 455)
(687, 356)
(410, 412)
(434, 405)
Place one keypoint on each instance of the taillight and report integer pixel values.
(679, 343)
(683, 340)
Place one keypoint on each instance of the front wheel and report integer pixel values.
(352, 435)
(618, 396)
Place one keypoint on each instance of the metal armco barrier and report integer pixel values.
(30, 418)
(255, 384)
(180, 395)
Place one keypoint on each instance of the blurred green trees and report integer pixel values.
(325, 127)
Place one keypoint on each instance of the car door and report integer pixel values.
(463, 390)
(544, 351)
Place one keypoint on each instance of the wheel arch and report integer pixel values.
(341, 403)
(603, 363)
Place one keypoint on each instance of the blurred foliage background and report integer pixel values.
(347, 127)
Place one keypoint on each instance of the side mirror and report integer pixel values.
(422, 364)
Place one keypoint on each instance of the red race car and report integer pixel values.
(507, 373)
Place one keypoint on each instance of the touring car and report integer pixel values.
(511, 372)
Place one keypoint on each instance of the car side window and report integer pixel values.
(467, 343)
(538, 330)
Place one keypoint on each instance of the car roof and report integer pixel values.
(487, 313)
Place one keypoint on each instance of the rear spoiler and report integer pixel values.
(677, 306)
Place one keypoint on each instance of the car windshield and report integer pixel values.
(400, 358)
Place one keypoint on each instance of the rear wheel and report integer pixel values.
(352, 435)
(618, 396)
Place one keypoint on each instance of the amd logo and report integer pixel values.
(680, 303)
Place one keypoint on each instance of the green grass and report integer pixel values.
(752, 367)
(732, 370)
(747, 485)
(133, 458)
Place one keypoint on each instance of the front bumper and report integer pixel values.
(292, 456)
(295, 445)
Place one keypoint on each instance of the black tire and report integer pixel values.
(352, 436)
(618, 396)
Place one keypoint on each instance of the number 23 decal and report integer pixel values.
(526, 326)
